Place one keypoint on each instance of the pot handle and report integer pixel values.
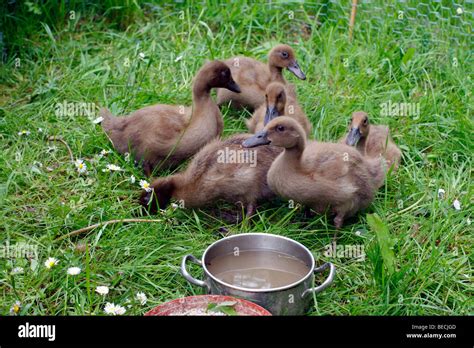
(188, 276)
(326, 283)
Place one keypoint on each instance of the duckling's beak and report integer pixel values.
(233, 86)
(353, 137)
(270, 114)
(258, 139)
(296, 70)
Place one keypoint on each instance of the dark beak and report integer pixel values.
(233, 86)
(353, 137)
(258, 139)
(296, 70)
(270, 114)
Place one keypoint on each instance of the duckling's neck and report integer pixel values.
(201, 91)
(203, 105)
(205, 111)
(276, 73)
(295, 152)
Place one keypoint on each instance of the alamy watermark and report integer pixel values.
(400, 109)
(355, 251)
(75, 109)
(241, 156)
(18, 250)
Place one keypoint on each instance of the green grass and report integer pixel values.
(42, 197)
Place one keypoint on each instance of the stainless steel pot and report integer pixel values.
(292, 299)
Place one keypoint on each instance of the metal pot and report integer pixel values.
(291, 299)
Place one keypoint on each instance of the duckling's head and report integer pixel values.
(282, 131)
(283, 56)
(358, 128)
(275, 96)
(218, 75)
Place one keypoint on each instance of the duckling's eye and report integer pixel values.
(280, 128)
(365, 121)
(284, 54)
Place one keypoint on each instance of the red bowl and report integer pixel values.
(195, 305)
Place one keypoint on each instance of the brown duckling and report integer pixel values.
(279, 100)
(372, 140)
(168, 134)
(221, 170)
(254, 76)
(319, 175)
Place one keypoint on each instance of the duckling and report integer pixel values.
(372, 140)
(221, 170)
(279, 100)
(254, 76)
(319, 175)
(168, 134)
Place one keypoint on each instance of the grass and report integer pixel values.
(91, 60)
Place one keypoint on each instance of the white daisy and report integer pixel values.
(51, 262)
(459, 11)
(112, 168)
(457, 204)
(80, 166)
(119, 310)
(73, 270)
(105, 152)
(441, 193)
(17, 270)
(132, 179)
(102, 290)
(141, 55)
(112, 309)
(141, 297)
(109, 308)
(15, 308)
(24, 132)
(145, 185)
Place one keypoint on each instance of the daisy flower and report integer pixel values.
(112, 168)
(73, 270)
(15, 308)
(112, 309)
(24, 132)
(81, 166)
(105, 152)
(457, 204)
(459, 11)
(17, 270)
(141, 297)
(145, 185)
(441, 193)
(102, 290)
(119, 310)
(132, 179)
(51, 262)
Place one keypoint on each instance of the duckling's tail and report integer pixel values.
(160, 195)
